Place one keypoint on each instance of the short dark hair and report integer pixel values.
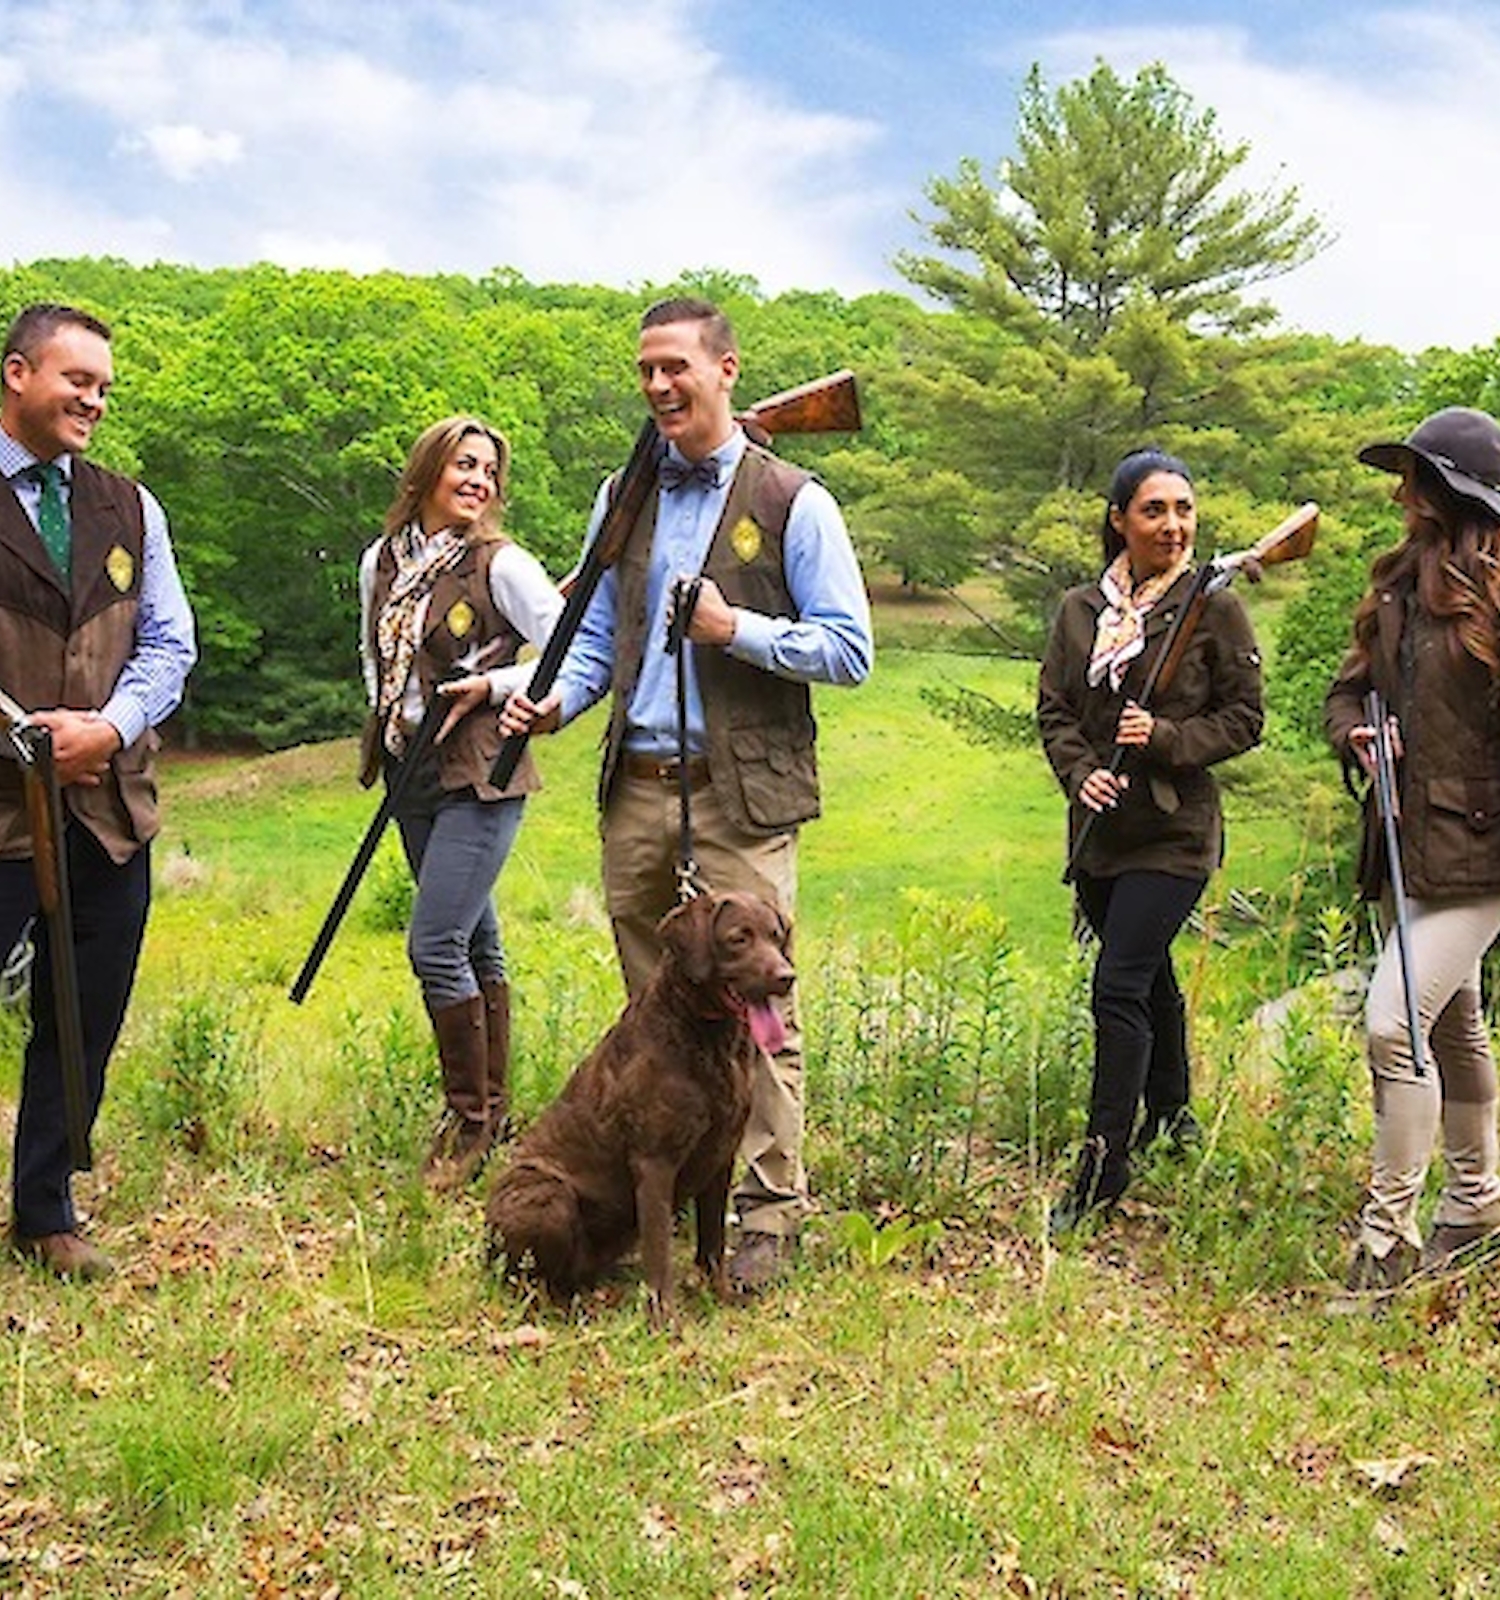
(37, 324)
(1131, 473)
(717, 332)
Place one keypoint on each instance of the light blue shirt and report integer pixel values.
(149, 688)
(829, 640)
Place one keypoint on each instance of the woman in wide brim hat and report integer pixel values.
(1427, 638)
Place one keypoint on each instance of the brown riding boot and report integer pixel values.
(497, 1078)
(465, 1134)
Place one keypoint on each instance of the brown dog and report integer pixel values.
(653, 1117)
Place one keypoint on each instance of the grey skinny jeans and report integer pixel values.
(455, 853)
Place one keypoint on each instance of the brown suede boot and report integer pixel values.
(465, 1135)
(497, 1079)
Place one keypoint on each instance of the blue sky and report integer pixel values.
(579, 140)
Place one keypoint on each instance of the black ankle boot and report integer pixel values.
(1180, 1128)
(1099, 1181)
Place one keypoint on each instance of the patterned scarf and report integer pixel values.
(1121, 634)
(419, 564)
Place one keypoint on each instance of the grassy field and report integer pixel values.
(302, 1382)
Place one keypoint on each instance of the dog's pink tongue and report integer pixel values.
(766, 1026)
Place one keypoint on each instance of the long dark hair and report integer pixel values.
(1131, 473)
(1451, 554)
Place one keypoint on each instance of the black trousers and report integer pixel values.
(109, 904)
(1140, 1023)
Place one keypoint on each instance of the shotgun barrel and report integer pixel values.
(1390, 823)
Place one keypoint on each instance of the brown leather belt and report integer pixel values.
(635, 765)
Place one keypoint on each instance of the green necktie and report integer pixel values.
(52, 517)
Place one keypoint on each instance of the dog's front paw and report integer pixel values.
(715, 1275)
(661, 1313)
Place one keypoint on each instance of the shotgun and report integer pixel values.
(1390, 821)
(32, 744)
(1290, 540)
(421, 740)
(826, 405)
(426, 732)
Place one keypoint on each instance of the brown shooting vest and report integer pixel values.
(462, 615)
(761, 735)
(62, 648)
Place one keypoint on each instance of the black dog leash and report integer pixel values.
(685, 592)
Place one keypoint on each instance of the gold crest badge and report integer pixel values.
(745, 539)
(460, 618)
(120, 567)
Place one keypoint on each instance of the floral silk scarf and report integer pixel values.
(419, 564)
(1121, 633)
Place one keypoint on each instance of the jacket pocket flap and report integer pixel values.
(1476, 800)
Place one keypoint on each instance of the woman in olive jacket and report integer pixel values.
(1156, 831)
(1427, 637)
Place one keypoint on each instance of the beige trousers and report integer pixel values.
(1448, 940)
(639, 829)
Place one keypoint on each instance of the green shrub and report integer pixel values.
(201, 1089)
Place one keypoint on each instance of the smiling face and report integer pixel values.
(466, 486)
(54, 400)
(687, 386)
(1159, 524)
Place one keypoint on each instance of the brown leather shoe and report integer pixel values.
(759, 1261)
(64, 1255)
(459, 1149)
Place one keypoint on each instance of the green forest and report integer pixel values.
(1095, 293)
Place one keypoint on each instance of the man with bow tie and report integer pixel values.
(96, 641)
(780, 605)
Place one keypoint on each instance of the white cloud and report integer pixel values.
(295, 251)
(184, 152)
(581, 141)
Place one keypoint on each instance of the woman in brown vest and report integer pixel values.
(446, 603)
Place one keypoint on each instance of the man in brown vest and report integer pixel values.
(782, 605)
(96, 639)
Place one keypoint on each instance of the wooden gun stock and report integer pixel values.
(826, 405)
(1290, 540)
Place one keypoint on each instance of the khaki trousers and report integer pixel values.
(639, 829)
(1458, 1091)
